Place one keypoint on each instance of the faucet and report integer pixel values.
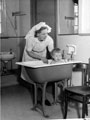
(71, 51)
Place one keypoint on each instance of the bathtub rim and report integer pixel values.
(30, 64)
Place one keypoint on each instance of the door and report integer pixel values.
(45, 11)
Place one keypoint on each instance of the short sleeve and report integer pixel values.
(50, 44)
(29, 44)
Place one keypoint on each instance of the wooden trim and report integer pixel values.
(7, 37)
(33, 12)
(55, 14)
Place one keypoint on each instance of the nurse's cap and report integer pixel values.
(43, 24)
(31, 33)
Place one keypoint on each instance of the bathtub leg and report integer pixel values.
(43, 99)
(56, 94)
(35, 94)
(35, 97)
(43, 89)
(57, 85)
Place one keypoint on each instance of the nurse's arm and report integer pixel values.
(38, 57)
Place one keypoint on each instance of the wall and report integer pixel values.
(65, 9)
(47, 15)
(8, 29)
(8, 26)
(82, 43)
(24, 23)
(83, 51)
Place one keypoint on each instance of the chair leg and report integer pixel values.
(84, 107)
(77, 108)
(66, 106)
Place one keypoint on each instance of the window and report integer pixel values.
(84, 17)
(0, 16)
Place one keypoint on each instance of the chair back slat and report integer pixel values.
(88, 73)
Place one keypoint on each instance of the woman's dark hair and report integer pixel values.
(39, 31)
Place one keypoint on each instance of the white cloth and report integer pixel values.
(31, 33)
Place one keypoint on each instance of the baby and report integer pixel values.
(56, 55)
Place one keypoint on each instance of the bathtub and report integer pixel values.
(40, 72)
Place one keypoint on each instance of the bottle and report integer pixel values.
(63, 54)
(89, 60)
(10, 51)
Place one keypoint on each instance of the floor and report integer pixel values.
(16, 104)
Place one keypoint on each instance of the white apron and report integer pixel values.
(39, 48)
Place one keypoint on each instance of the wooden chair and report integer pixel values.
(79, 94)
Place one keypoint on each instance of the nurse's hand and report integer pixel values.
(44, 60)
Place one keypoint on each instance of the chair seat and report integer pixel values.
(79, 90)
(79, 94)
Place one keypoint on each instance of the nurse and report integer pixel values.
(37, 42)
